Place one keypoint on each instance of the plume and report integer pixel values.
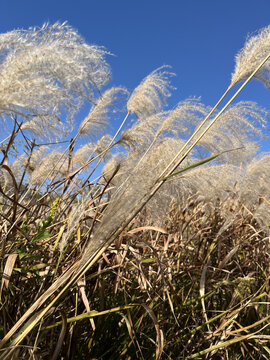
(141, 134)
(46, 127)
(256, 48)
(97, 120)
(239, 127)
(150, 96)
(54, 164)
(103, 144)
(110, 168)
(82, 155)
(47, 71)
(35, 157)
(183, 120)
(256, 180)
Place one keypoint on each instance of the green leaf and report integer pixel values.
(42, 234)
(199, 163)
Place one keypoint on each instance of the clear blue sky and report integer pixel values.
(198, 38)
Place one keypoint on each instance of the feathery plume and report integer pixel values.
(45, 71)
(103, 144)
(148, 98)
(256, 181)
(110, 167)
(262, 213)
(54, 164)
(240, 126)
(96, 122)
(82, 155)
(35, 158)
(184, 118)
(179, 123)
(255, 50)
(46, 126)
(142, 132)
(253, 189)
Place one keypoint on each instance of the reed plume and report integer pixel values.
(97, 121)
(47, 71)
(255, 50)
(53, 165)
(150, 96)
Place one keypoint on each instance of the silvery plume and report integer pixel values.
(255, 50)
(47, 73)
(149, 97)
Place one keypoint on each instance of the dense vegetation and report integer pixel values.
(151, 242)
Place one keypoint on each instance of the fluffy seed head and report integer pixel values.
(54, 165)
(142, 132)
(150, 96)
(103, 144)
(240, 126)
(34, 158)
(46, 126)
(97, 120)
(83, 155)
(110, 167)
(45, 71)
(256, 48)
(183, 120)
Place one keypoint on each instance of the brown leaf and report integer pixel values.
(8, 271)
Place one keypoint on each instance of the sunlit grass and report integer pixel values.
(163, 255)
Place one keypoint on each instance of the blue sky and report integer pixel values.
(198, 38)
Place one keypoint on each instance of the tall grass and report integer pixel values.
(150, 242)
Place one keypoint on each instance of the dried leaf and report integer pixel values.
(8, 271)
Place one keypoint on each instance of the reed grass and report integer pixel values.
(164, 253)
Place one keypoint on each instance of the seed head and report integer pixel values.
(150, 96)
(97, 120)
(256, 48)
(47, 72)
(54, 165)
